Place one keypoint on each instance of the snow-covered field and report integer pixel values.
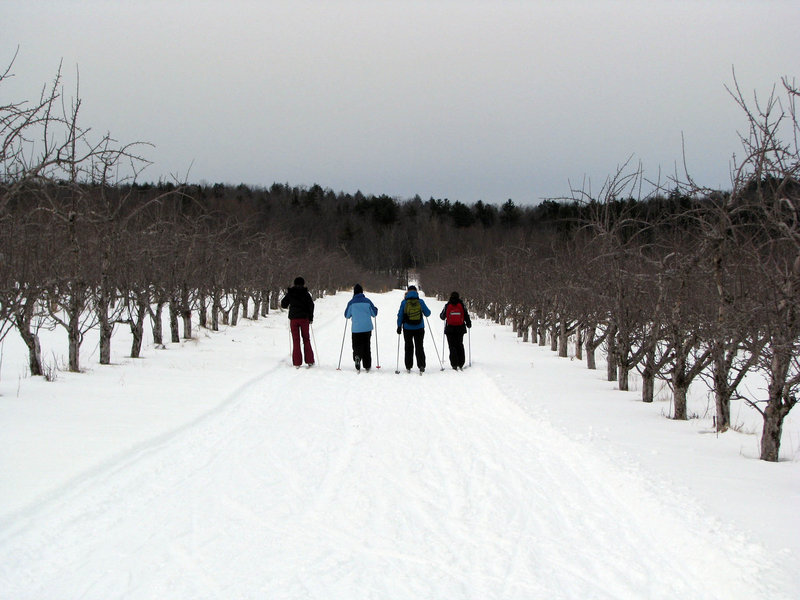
(213, 469)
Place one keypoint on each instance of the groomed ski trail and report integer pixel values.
(317, 483)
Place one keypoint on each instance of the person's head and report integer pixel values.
(454, 297)
(358, 289)
(412, 288)
(299, 281)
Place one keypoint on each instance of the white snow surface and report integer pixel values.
(214, 469)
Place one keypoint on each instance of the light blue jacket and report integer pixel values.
(361, 310)
(400, 313)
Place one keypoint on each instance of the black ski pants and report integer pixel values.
(413, 339)
(362, 348)
(455, 341)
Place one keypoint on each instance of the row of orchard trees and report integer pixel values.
(695, 286)
(80, 248)
(84, 257)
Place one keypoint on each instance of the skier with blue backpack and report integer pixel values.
(361, 310)
(410, 321)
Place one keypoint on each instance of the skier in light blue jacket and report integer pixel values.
(361, 310)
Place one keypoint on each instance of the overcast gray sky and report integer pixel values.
(466, 100)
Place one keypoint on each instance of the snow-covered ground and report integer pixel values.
(213, 469)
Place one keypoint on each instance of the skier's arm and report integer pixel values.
(425, 310)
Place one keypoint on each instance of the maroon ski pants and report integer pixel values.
(299, 328)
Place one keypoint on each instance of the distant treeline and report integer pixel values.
(393, 235)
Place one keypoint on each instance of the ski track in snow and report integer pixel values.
(319, 483)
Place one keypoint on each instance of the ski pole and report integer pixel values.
(397, 368)
(339, 367)
(469, 338)
(314, 340)
(377, 354)
(433, 339)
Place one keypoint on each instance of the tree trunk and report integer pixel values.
(187, 324)
(611, 353)
(554, 337)
(535, 325)
(22, 320)
(102, 309)
(157, 326)
(34, 349)
(590, 345)
(649, 376)
(579, 343)
(201, 312)
(623, 376)
(541, 332)
(679, 395)
(771, 432)
(215, 310)
(591, 360)
(722, 392)
(106, 329)
(74, 338)
(137, 328)
(186, 313)
(648, 388)
(74, 310)
(256, 305)
(776, 409)
(563, 339)
(235, 310)
(173, 321)
(679, 383)
(623, 360)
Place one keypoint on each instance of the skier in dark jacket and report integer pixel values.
(411, 323)
(301, 314)
(361, 310)
(456, 322)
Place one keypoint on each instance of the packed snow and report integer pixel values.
(214, 469)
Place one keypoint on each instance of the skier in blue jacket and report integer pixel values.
(411, 323)
(361, 310)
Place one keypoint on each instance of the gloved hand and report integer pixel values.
(469, 325)
(399, 329)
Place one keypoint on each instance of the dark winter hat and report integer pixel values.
(454, 297)
(358, 289)
(412, 288)
(299, 281)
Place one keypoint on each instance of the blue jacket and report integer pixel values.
(361, 309)
(400, 313)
